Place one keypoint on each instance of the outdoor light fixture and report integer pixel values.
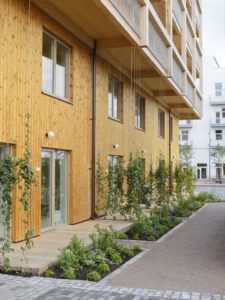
(50, 134)
(37, 169)
(116, 146)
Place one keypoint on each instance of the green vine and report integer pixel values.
(115, 184)
(8, 180)
(101, 186)
(27, 178)
(161, 177)
(151, 183)
(179, 178)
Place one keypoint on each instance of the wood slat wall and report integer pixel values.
(21, 91)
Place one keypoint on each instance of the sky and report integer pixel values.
(214, 30)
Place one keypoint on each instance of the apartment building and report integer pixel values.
(98, 77)
(211, 128)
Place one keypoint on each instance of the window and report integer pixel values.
(161, 124)
(217, 117)
(218, 89)
(223, 112)
(185, 135)
(55, 67)
(115, 98)
(171, 129)
(140, 112)
(219, 135)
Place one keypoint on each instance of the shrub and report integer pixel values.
(121, 236)
(99, 259)
(69, 273)
(127, 251)
(103, 239)
(93, 276)
(103, 268)
(137, 247)
(48, 273)
(116, 258)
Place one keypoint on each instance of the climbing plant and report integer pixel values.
(161, 178)
(115, 183)
(151, 183)
(101, 186)
(8, 180)
(135, 181)
(179, 179)
(27, 180)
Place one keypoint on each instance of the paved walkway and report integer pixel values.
(191, 259)
(47, 246)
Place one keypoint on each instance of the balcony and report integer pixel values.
(216, 101)
(198, 58)
(178, 14)
(218, 122)
(198, 104)
(157, 46)
(177, 74)
(189, 91)
(197, 15)
(130, 11)
(185, 124)
(189, 39)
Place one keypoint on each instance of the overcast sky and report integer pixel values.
(214, 30)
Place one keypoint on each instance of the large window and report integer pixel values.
(218, 89)
(219, 135)
(217, 117)
(161, 124)
(115, 94)
(201, 171)
(55, 67)
(140, 112)
(185, 135)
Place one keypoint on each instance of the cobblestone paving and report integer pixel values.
(36, 288)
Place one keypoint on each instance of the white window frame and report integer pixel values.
(67, 78)
(161, 123)
(117, 113)
(140, 112)
(218, 117)
(218, 91)
(219, 133)
(185, 133)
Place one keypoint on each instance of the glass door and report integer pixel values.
(54, 180)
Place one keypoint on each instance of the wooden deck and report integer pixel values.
(47, 246)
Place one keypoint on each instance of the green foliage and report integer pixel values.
(8, 180)
(103, 238)
(103, 268)
(127, 251)
(16, 171)
(121, 236)
(218, 156)
(161, 178)
(115, 184)
(93, 276)
(48, 273)
(151, 183)
(205, 197)
(154, 226)
(101, 180)
(135, 183)
(189, 180)
(69, 273)
(137, 247)
(186, 154)
(179, 179)
(116, 258)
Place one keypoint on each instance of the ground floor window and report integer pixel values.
(201, 171)
(54, 188)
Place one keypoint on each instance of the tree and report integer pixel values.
(186, 154)
(218, 156)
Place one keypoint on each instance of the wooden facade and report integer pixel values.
(22, 24)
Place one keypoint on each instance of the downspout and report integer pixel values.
(93, 188)
(170, 158)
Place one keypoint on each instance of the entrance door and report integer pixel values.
(54, 188)
(201, 171)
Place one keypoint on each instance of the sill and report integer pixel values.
(57, 97)
(116, 120)
(140, 129)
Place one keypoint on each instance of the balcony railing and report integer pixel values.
(177, 11)
(189, 39)
(189, 91)
(198, 104)
(130, 11)
(177, 74)
(197, 14)
(157, 46)
(198, 58)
